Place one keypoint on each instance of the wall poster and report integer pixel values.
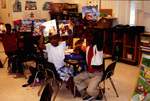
(30, 5)
(17, 6)
(47, 6)
(3, 4)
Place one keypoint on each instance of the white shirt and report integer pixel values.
(56, 54)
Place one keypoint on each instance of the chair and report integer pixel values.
(107, 74)
(59, 83)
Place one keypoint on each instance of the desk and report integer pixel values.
(74, 63)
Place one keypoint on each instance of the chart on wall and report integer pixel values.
(30, 5)
(142, 87)
(47, 6)
(17, 6)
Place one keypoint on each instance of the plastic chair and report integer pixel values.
(107, 74)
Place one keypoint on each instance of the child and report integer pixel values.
(55, 50)
(9, 40)
(94, 59)
(79, 32)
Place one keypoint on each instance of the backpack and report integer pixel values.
(47, 93)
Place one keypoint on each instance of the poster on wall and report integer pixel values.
(32, 15)
(90, 13)
(142, 87)
(30, 5)
(65, 27)
(17, 6)
(47, 6)
(3, 4)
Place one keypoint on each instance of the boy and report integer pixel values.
(55, 50)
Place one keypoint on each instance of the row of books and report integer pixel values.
(145, 43)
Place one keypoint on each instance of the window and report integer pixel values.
(132, 15)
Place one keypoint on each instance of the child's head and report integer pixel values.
(79, 30)
(54, 40)
(93, 38)
(8, 28)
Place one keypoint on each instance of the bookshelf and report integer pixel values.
(144, 44)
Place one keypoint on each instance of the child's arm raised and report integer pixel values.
(41, 45)
(70, 39)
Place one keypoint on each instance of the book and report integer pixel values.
(51, 28)
(65, 27)
(79, 42)
(2, 28)
(37, 27)
(25, 25)
(90, 13)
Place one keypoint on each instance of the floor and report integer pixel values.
(11, 89)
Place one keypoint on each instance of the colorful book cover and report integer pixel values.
(2, 28)
(37, 27)
(65, 27)
(57, 7)
(51, 28)
(47, 5)
(90, 13)
(25, 25)
(142, 87)
(79, 42)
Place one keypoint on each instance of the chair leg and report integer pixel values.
(35, 79)
(113, 86)
(102, 93)
(5, 61)
(59, 86)
(74, 91)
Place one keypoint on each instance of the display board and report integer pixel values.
(142, 87)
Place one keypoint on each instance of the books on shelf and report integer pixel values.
(65, 27)
(51, 28)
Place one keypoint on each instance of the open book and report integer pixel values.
(2, 28)
(51, 28)
(65, 27)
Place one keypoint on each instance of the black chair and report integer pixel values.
(107, 74)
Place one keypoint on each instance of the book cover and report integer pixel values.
(65, 27)
(25, 25)
(90, 13)
(51, 28)
(79, 42)
(2, 28)
(37, 27)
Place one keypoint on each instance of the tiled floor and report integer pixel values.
(11, 89)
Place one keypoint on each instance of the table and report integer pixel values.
(74, 63)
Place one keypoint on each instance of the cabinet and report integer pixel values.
(127, 39)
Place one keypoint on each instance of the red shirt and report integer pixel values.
(89, 56)
(9, 42)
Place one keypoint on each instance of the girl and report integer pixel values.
(94, 59)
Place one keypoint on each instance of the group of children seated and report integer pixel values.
(55, 61)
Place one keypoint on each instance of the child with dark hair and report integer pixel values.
(9, 40)
(79, 31)
(94, 59)
(55, 50)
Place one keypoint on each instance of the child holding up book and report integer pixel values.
(55, 50)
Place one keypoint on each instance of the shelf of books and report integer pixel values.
(145, 42)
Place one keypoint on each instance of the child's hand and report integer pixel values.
(42, 28)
